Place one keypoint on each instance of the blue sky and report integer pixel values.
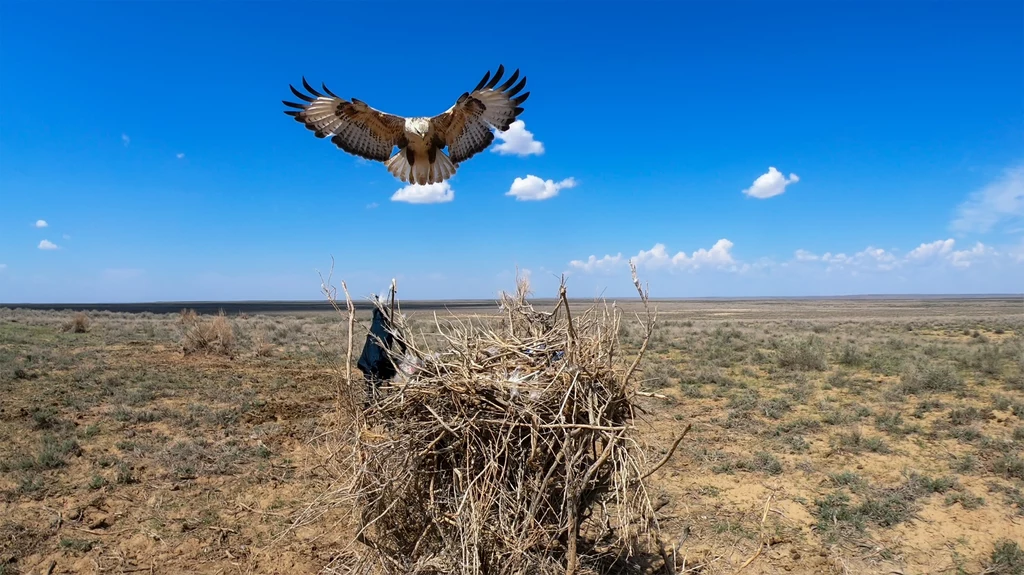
(144, 154)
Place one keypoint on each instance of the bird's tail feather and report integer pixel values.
(422, 172)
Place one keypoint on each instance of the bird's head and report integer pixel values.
(419, 126)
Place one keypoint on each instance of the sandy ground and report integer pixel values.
(828, 437)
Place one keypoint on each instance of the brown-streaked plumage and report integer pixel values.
(464, 129)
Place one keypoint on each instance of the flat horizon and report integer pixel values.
(257, 306)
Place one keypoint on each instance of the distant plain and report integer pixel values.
(884, 435)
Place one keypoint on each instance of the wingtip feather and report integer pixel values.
(309, 88)
(483, 81)
(328, 91)
(511, 80)
(497, 76)
(300, 95)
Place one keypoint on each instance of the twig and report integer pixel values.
(649, 326)
(351, 328)
(670, 564)
(96, 532)
(760, 537)
(556, 425)
(651, 394)
(439, 420)
(568, 316)
(668, 455)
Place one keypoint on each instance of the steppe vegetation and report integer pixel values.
(856, 436)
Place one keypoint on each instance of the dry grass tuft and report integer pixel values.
(199, 336)
(513, 449)
(262, 347)
(79, 323)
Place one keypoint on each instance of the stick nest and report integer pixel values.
(512, 449)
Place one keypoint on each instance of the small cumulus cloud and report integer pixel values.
(425, 194)
(770, 184)
(998, 202)
(931, 250)
(929, 263)
(594, 264)
(964, 258)
(925, 254)
(718, 255)
(47, 245)
(372, 205)
(879, 257)
(805, 256)
(533, 188)
(869, 258)
(180, 156)
(41, 224)
(518, 141)
(658, 257)
(126, 139)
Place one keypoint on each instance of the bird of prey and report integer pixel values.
(464, 129)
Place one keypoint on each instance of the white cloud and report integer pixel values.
(180, 156)
(718, 256)
(533, 188)
(41, 223)
(829, 257)
(930, 267)
(517, 140)
(47, 245)
(964, 258)
(871, 258)
(1001, 200)
(931, 255)
(372, 205)
(770, 184)
(878, 259)
(425, 194)
(67, 236)
(657, 257)
(931, 250)
(805, 256)
(125, 139)
(593, 264)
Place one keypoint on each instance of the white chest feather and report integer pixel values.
(419, 132)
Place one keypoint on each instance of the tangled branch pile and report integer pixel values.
(513, 450)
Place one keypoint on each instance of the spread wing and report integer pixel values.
(466, 126)
(353, 126)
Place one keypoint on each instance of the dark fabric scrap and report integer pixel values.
(374, 361)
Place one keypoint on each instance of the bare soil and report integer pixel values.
(829, 436)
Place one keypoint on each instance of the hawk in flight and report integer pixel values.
(465, 128)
